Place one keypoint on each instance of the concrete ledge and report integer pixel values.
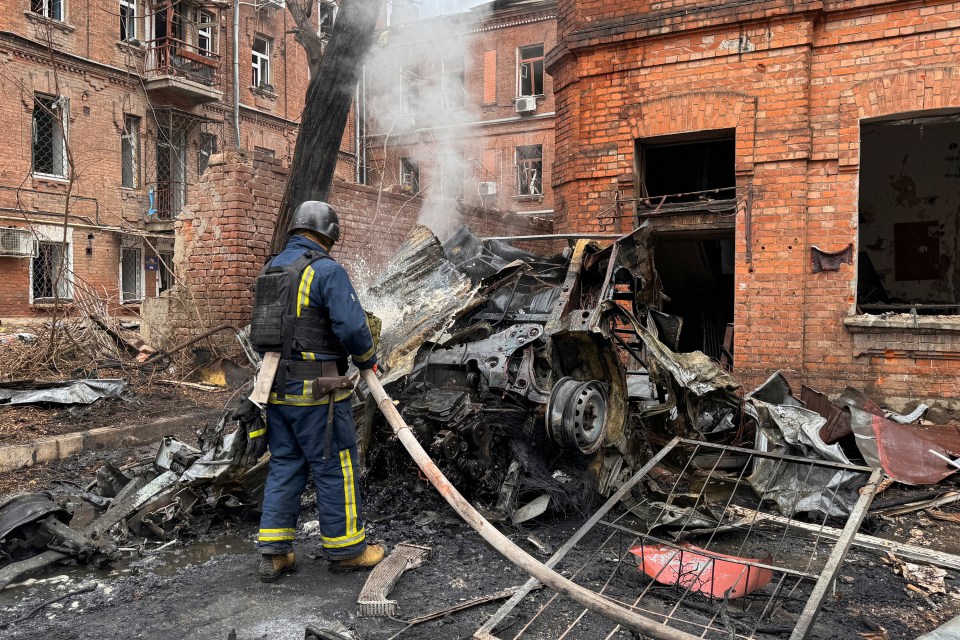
(19, 456)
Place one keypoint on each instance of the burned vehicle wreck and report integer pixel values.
(508, 371)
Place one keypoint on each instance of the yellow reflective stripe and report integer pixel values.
(307, 389)
(366, 355)
(308, 355)
(306, 400)
(276, 538)
(343, 541)
(278, 530)
(349, 494)
(303, 299)
(257, 433)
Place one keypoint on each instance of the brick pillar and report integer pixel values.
(222, 241)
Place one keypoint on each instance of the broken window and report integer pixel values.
(49, 136)
(454, 93)
(326, 17)
(530, 170)
(208, 147)
(409, 176)
(678, 169)
(171, 191)
(165, 271)
(261, 62)
(131, 274)
(52, 9)
(128, 20)
(410, 89)
(530, 70)
(50, 277)
(130, 152)
(206, 42)
(908, 226)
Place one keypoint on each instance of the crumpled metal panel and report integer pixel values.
(17, 511)
(903, 451)
(68, 392)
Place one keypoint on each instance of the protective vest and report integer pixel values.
(276, 326)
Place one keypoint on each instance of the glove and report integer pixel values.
(250, 419)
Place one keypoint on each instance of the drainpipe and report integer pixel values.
(236, 72)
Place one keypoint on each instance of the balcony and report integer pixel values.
(176, 68)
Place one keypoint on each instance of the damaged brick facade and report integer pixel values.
(792, 88)
(142, 104)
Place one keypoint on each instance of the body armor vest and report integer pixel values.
(275, 325)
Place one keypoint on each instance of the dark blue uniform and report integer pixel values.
(296, 424)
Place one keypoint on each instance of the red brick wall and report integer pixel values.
(794, 80)
(223, 240)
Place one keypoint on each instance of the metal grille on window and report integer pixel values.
(49, 139)
(131, 274)
(174, 139)
(530, 170)
(50, 279)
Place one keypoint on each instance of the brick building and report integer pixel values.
(120, 104)
(460, 109)
(800, 163)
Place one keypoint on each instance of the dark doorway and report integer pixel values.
(697, 272)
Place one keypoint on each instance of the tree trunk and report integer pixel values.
(334, 73)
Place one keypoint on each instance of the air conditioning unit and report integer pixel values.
(526, 104)
(17, 243)
(487, 188)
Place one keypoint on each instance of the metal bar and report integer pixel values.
(487, 629)
(779, 456)
(812, 609)
(560, 236)
(748, 227)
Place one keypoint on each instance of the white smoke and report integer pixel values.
(419, 106)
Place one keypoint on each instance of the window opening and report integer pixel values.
(530, 70)
(128, 20)
(208, 147)
(326, 17)
(454, 80)
(698, 171)
(131, 274)
(130, 152)
(52, 9)
(165, 271)
(530, 170)
(410, 89)
(49, 138)
(171, 193)
(261, 63)
(908, 225)
(206, 44)
(50, 278)
(451, 175)
(409, 176)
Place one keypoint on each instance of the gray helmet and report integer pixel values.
(316, 216)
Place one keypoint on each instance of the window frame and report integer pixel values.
(448, 67)
(203, 148)
(128, 22)
(522, 61)
(519, 162)
(410, 79)
(46, 9)
(130, 138)
(326, 9)
(62, 105)
(410, 165)
(165, 278)
(206, 29)
(67, 255)
(141, 280)
(260, 63)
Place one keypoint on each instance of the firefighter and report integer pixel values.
(306, 308)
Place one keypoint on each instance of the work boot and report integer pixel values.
(272, 565)
(363, 561)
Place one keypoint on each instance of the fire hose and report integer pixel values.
(503, 545)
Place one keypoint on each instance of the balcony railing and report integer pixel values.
(169, 57)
